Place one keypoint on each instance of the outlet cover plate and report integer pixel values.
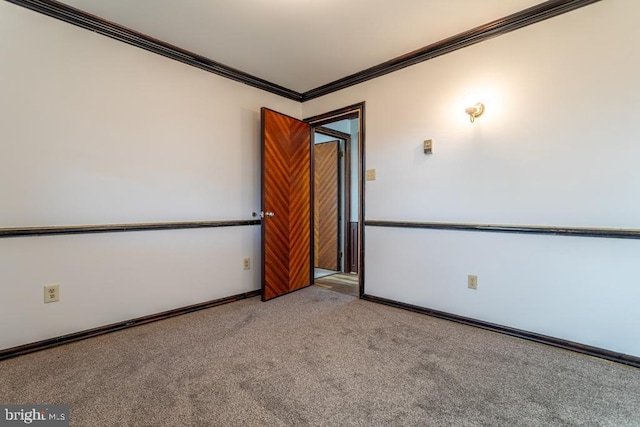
(51, 293)
(472, 281)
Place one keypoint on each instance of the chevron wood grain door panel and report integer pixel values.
(287, 193)
(326, 205)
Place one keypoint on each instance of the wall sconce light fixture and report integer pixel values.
(475, 111)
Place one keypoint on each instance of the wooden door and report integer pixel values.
(287, 200)
(326, 202)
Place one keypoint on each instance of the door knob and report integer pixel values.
(269, 214)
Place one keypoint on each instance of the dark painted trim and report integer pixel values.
(530, 336)
(119, 228)
(346, 260)
(78, 336)
(351, 112)
(312, 205)
(345, 113)
(362, 155)
(484, 32)
(333, 133)
(613, 233)
(479, 34)
(96, 24)
(340, 202)
(353, 238)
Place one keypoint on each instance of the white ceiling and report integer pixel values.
(301, 44)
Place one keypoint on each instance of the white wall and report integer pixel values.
(94, 131)
(319, 138)
(343, 126)
(558, 145)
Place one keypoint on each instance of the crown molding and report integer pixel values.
(529, 16)
(509, 23)
(94, 23)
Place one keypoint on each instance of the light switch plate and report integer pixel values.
(428, 147)
(371, 174)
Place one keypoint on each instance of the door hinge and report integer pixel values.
(341, 154)
(341, 254)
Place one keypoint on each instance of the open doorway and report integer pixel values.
(338, 208)
(329, 204)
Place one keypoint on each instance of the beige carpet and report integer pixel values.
(317, 357)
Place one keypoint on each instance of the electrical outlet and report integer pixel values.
(472, 281)
(246, 263)
(51, 293)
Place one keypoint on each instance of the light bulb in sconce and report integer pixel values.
(475, 111)
(472, 105)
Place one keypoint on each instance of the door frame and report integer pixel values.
(340, 229)
(351, 112)
(346, 236)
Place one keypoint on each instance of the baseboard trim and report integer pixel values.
(601, 353)
(119, 228)
(78, 336)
